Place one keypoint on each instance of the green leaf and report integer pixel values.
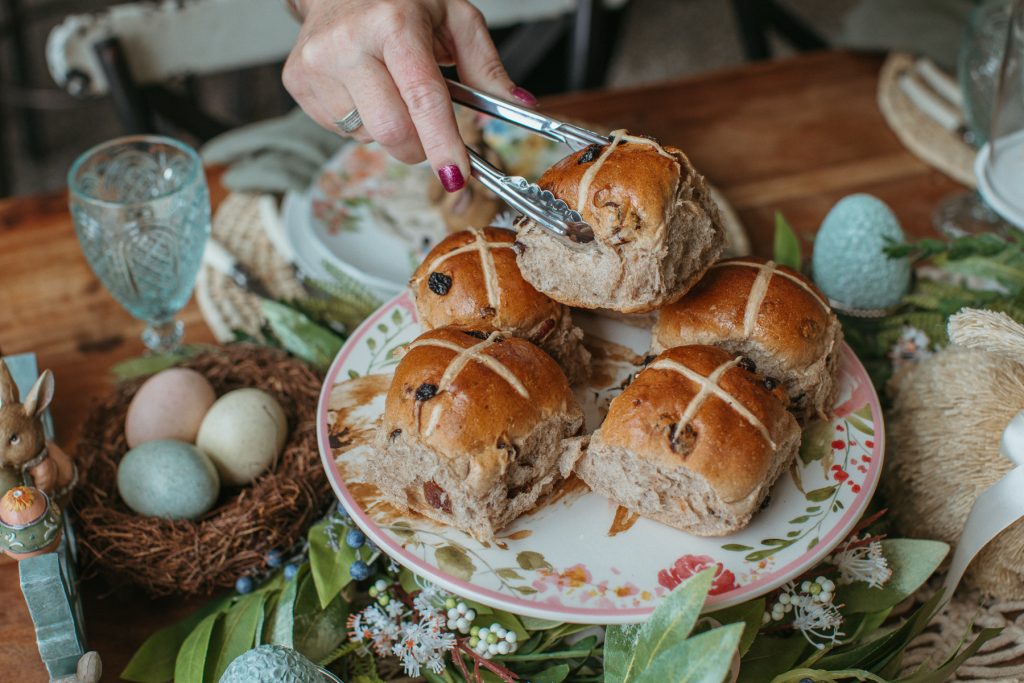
(555, 674)
(706, 658)
(524, 590)
(239, 631)
(619, 647)
(300, 336)
(818, 495)
(534, 624)
(786, 245)
(736, 546)
(455, 561)
(190, 664)
(531, 561)
(407, 580)
(508, 574)
(318, 631)
(671, 622)
(153, 662)
(329, 567)
(816, 442)
(799, 520)
(143, 366)
(912, 562)
(769, 656)
(749, 613)
(282, 622)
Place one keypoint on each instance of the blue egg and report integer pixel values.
(169, 479)
(849, 263)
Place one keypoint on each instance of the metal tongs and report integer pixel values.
(529, 199)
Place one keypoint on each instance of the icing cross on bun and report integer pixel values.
(473, 429)
(769, 313)
(656, 228)
(695, 441)
(471, 279)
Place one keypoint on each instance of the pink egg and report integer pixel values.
(169, 405)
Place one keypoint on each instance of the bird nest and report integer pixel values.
(184, 557)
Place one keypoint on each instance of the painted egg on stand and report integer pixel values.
(29, 524)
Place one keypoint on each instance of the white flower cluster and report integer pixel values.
(493, 640)
(814, 612)
(862, 563)
(417, 636)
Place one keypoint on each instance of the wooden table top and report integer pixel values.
(793, 136)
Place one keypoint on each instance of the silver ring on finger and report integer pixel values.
(350, 122)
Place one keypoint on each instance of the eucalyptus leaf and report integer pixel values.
(786, 245)
(282, 622)
(554, 674)
(670, 624)
(911, 561)
(154, 661)
(190, 664)
(749, 613)
(705, 658)
(318, 631)
(619, 646)
(329, 566)
(239, 631)
(302, 337)
(770, 656)
(535, 624)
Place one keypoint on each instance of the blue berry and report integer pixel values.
(290, 570)
(806, 680)
(355, 538)
(359, 570)
(275, 558)
(244, 584)
(342, 512)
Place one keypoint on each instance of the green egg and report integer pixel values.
(272, 664)
(849, 263)
(170, 479)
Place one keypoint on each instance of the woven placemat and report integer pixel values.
(239, 226)
(936, 146)
(1000, 659)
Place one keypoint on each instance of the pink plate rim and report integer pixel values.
(546, 610)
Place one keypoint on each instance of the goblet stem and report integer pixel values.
(966, 213)
(163, 336)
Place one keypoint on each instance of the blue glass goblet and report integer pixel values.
(142, 214)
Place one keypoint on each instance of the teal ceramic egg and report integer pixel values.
(272, 664)
(848, 262)
(170, 479)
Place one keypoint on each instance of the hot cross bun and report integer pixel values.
(473, 429)
(769, 313)
(656, 228)
(471, 279)
(695, 441)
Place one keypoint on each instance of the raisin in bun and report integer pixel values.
(695, 441)
(473, 429)
(471, 279)
(656, 228)
(769, 313)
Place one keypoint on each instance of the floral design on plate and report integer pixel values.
(578, 557)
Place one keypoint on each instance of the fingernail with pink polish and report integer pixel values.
(451, 178)
(524, 96)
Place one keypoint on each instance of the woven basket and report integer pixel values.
(184, 557)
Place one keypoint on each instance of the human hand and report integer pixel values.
(383, 58)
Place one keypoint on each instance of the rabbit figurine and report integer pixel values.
(23, 446)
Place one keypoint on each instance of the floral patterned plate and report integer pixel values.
(578, 557)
